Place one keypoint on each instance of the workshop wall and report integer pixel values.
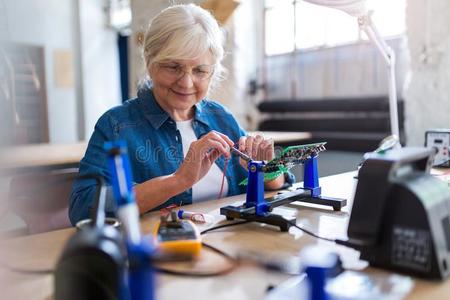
(47, 23)
(81, 63)
(427, 93)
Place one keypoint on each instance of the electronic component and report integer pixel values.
(177, 237)
(439, 139)
(195, 217)
(294, 155)
(290, 157)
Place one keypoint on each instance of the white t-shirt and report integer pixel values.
(208, 187)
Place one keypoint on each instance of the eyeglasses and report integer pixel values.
(174, 71)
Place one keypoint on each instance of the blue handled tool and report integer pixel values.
(141, 278)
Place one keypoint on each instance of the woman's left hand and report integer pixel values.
(257, 147)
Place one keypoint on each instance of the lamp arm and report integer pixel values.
(365, 23)
(356, 8)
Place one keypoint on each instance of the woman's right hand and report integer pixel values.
(201, 155)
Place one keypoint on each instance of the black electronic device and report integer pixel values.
(400, 218)
(92, 265)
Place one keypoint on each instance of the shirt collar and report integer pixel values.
(151, 109)
(157, 116)
(200, 113)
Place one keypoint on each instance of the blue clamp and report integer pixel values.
(311, 177)
(255, 188)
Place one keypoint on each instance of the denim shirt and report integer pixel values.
(154, 149)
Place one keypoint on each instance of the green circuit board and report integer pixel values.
(291, 156)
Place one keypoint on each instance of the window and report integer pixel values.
(296, 24)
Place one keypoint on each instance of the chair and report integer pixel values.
(42, 199)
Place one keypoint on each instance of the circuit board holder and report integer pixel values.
(258, 209)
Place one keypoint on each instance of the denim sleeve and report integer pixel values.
(289, 179)
(95, 163)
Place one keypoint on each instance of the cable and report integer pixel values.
(311, 233)
(26, 271)
(233, 264)
(290, 223)
(443, 164)
(233, 261)
(223, 226)
(223, 178)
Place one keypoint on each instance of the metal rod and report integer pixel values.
(240, 154)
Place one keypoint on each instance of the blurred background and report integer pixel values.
(293, 67)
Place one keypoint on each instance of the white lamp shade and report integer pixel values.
(354, 8)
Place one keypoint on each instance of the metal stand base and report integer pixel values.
(301, 195)
(236, 212)
(336, 203)
(258, 209)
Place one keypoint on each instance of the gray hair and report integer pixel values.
(184, 31)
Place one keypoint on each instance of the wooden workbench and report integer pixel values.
(42, 156)
(247, 282)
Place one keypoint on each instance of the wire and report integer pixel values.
(290, 223)
(443, 164)
(310, 232)
(233, 261)
(223, 226)
(26, 271)
(233, 264)
(223, 178)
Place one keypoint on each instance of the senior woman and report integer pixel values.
(178, 141)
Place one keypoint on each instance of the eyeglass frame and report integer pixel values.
(168, 68)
